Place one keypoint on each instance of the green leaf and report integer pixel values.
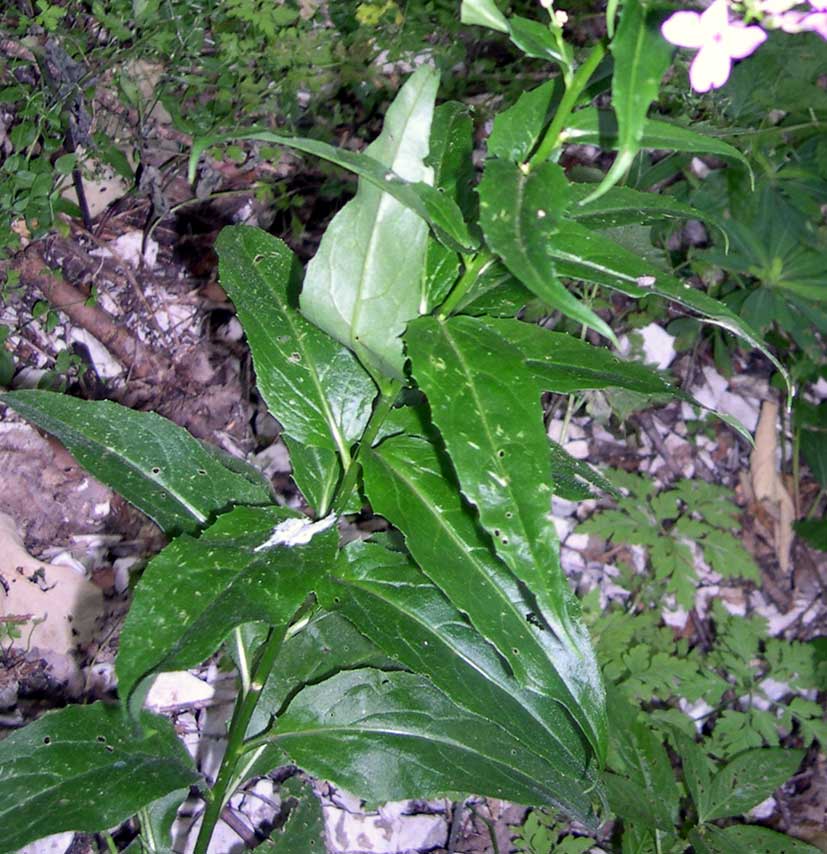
(536, 40)
(500, 452)
(641, 57)
(86, 768)
(697, 770)
(520, 213)
(316, 472)
(363, 285)
(496, 292)
(434, 207)
(599, 127)
(580, 253)
(156, 831)
(326, 644)
(450, 153)
(576, 480)
(639, 755)
(813, 532)
(625, 206)
(314, 386)
(197, 590)
(518, 129)
(404, 481)
(442, 266)
(483, 13)
(393, 603)
(391, 736)
(151, 462)
(753, 839)
(303, 830)
(749, 779)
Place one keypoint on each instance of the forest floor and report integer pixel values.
(162, 335)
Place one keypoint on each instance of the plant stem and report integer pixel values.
(384, 404)
(242, 714)
(568, 102)
(475, 266)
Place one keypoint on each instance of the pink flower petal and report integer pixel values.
(710, 68)
(819, 5)
(817, 23)
(684, 30)
(739, 42)
(715, 18)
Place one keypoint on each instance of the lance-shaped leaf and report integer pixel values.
(580, 253)
(390, 736)
(197, 590)
(396, 606)
(625, 206)
(486, 404)
(483, 13)
(748, 839)
(363, 285)
(599, 127)
(151, 462)
(405, 481)
(641, 57)
(496, 292)
(536, 40)
(575, 479)
(86, 768)
(748, 779)
(520, 212)
(439, 210)
(450, 154)
(313, 385)
(518, 129)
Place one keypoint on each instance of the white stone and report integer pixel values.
(774, 689)
(579, 449)
(107, 366)
(563, 527)
(562, 507)
(127, 248)
(577, 541)
(764, 810)
(177, 689)
(819, 390)
(55, 844)
(677, 618)
(658, 346)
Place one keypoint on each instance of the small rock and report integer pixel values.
(177, 689)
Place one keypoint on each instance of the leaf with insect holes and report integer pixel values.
(86, 768)
(241, 575)
(397, 607)
(313, 385)
(520, 214)
(154, 464)
(404, 481)
(395, 735)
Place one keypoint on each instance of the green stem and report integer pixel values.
(568, 102)
(475, 266)
(384, 404)
(242, 714)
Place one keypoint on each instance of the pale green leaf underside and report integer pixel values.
(363, 285)
(483, 13)
(150, 461)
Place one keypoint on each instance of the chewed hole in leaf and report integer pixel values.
(101, 739)
(155, 470)
(47, 740)
(501, 453)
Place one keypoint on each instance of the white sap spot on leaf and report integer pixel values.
(541, 214)
(646, 281)
(296, 532)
